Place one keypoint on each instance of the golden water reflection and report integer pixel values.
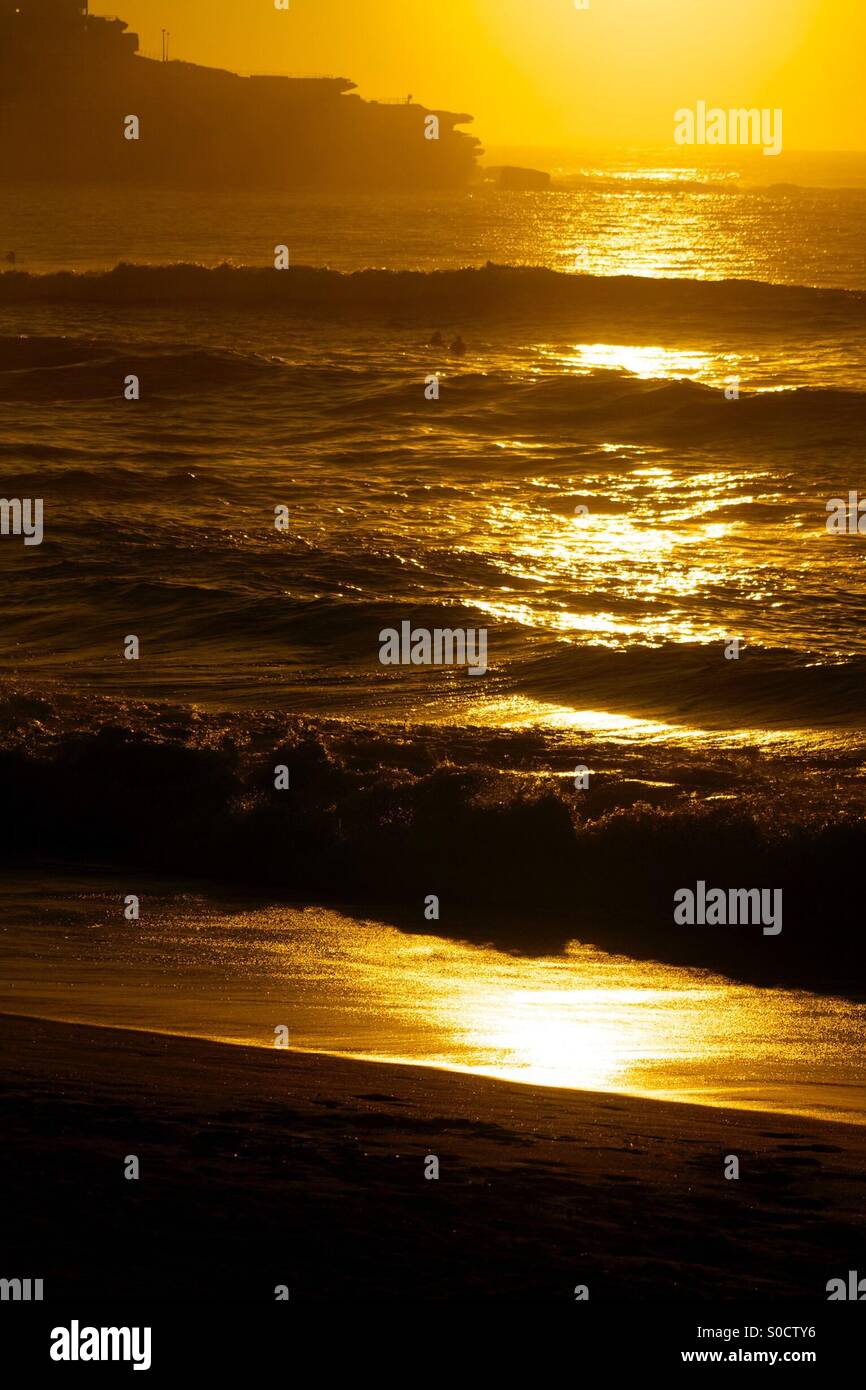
(649, 362)
(583, 1019)
(615, 726)
(587, 1020)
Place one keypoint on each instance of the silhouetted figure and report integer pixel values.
(10, 257)
(437, 339)
(458, 346)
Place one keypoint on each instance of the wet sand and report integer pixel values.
(261, 1168)
(230, 970)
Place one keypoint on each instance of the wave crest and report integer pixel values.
(531, 291)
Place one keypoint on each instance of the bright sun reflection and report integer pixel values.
(581, 1019)
(524, 712)
(647, 362)
(597, 1022)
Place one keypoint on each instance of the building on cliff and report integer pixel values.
(69, 80)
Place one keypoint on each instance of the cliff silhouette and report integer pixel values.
(69, 80)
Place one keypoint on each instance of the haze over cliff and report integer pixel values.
(71, 82)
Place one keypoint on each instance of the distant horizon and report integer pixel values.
(821, 169)
(647, 152)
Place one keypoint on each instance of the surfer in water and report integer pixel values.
(458, 346)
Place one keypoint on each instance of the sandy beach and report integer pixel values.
(260, 1168)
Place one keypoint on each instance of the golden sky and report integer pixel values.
(540, 72)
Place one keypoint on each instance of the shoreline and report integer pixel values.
(445, 1070)
(374, 815)
(263, 1167)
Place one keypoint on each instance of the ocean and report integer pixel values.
(664, 385)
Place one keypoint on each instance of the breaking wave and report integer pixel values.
(377, 818)
(528, 291)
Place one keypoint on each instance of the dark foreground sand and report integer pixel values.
(261, 1168)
